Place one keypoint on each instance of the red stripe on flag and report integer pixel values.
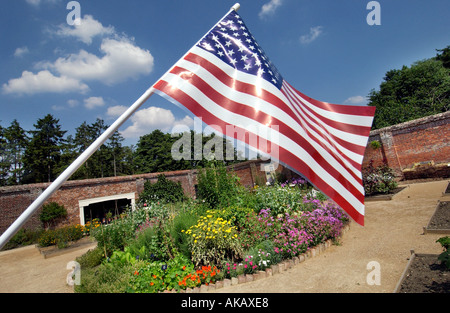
(338, 108)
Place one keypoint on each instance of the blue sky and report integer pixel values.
(324, 48)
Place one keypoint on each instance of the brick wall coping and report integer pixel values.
(116, 179)
(414, 123)
(96, 181)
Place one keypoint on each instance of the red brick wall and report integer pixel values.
(403, 145)
(15, 199)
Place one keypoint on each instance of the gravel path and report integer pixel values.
(392, 229)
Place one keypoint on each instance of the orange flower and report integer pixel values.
(136, 273)
(184, 267)
(152, 283)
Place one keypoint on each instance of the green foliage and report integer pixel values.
(375, 144)
(60, 236)
(51, 212)
(24, 237)
(164, 191)
(412, 92)
(106, 279)
(91, 258)
(217, 187)
(43, 151)
(115, 236)
(109, 160)
(279, 199)
(444, 257)
(181, 222)
(13, 142)
(444, 56)
(159, 276)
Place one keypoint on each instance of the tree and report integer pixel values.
(154, 151)
(4, 163)
(109, 160)
(444, 56)
(412, 92)
(17, 140)
(43, 152)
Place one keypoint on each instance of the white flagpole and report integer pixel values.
(15, 227)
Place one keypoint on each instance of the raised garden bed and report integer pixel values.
(384, 197)
(424, 274)
(52, 251)
(447, 191)
(440, 221)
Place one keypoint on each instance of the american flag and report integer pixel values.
(227, 79)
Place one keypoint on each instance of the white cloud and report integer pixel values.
(116, 111)
(20, 52)
(314, 33)
(146, 120)
(122, 60)
(72, 103)
(42, 82)
(94, 102)
(86, 31)
(356, 100)
(269, 8)
(38, 2)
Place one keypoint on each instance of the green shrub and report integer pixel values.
(51, 212)
(279, 200)
(444, 257)
(159, 276)
(153, 243)
(163, 191)
(236, 215)
(60, 236)
(217, 187)
(114, 236)
(182, 221)
(107, 279)
(24, 237)
(91, 258)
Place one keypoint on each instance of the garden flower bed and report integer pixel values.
(192, 246)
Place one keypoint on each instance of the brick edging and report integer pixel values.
(273, 270)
